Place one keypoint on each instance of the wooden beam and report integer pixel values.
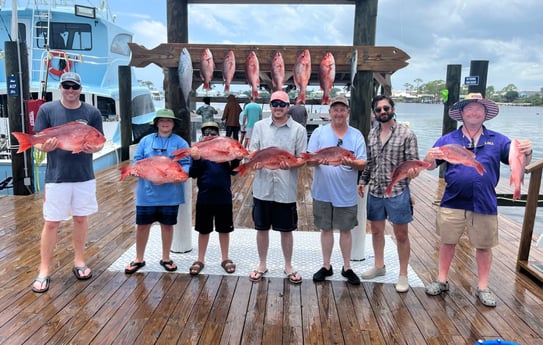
(273, 2)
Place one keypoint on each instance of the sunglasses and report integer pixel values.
(339, 142)
(210, 131)
(276, 104)
(72, 86)
(378, 109)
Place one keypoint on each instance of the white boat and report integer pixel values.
(82, 39)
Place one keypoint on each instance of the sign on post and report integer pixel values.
(471, 80)
(13, 87)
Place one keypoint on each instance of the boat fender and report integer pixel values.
(64, 64)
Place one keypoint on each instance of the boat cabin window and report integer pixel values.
(72, 36)
(106, 106)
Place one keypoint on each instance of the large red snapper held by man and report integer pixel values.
(157, 169)
(333, 155)
(401, 170)
(517, 163)
(457, 154)
(270, 158)
(218, 149)
(72, 136)
(327, 75)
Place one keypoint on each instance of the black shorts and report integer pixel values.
(275, 215)
(205, 214)
(166, 215)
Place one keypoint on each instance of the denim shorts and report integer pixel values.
(397, 209)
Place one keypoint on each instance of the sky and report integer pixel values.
(437, 33)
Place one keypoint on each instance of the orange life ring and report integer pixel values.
(63, 56)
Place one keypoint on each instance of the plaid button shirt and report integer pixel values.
(401, 145)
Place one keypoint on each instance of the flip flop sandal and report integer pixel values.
(196, 268)
(41, 280)
(258, 275)
(228, 266)
(136, 265)
(76, 271)
(291, 277)
(168, 265)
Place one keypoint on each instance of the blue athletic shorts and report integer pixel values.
(397, 209)
(205, 214)
(275, 215)
(166, 215)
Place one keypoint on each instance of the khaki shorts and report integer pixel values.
(482, 229)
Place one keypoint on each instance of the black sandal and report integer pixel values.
(168, 265)
(136, 265)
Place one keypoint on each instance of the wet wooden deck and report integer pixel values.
(163, 308)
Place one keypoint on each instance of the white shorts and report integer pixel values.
(63, 200)
(249, 133)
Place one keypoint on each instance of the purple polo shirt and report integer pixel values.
(466, 189)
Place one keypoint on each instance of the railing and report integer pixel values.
(532, 269)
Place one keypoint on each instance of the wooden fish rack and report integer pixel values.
(368, 58)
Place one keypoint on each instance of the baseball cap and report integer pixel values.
(70, 76)
(280, 96)
(340, 99)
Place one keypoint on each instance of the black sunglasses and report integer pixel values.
(276, 104)
(72, 86)
(339, 142)
(210, 131)
(385, 108)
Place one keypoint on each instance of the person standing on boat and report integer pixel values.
(158, 203)
(469, 203)
(70, 184)
(250, 115)
(390, 144)
(207, 111)
(213, 203)
(231, 116)
(274, 191)
(335, 201)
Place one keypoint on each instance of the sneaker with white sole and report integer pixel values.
(403, 284)
(374, 272)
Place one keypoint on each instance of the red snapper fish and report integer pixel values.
(270, 157)
(327, 74)
(71, 136)
(207, 66)
(400, 172)
(333, 154)
(157, 169)
(218, 149)
(457, 154)
(277, 72)
(228, 70)
(301, 74)
(252, 71)
(517, 163)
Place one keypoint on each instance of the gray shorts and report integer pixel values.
(328, 217)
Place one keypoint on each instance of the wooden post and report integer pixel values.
(21, 163)
(478, 68)
(125, 108)
(361, 95)
(177, 19)
(453, 86)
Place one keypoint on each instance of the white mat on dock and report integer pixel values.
(307, 258)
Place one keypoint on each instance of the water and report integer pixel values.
(426, 120)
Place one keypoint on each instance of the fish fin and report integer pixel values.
(180, 154)
(124, 172)
(388, 191)
(24, 140)
(480, 168)
(242, 169)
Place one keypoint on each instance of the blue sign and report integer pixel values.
(472, 80)
(13, 86)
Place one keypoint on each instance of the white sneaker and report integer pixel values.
(402, 285)
(374, 272)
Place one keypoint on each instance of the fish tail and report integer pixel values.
(325, 99)
(254, 93)
(516, 193)
(388, 191)
(242, 169)
(226, 88)
(306, 156)
(206, 86)
(180, 154)
(24, 140)
(124, 172)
